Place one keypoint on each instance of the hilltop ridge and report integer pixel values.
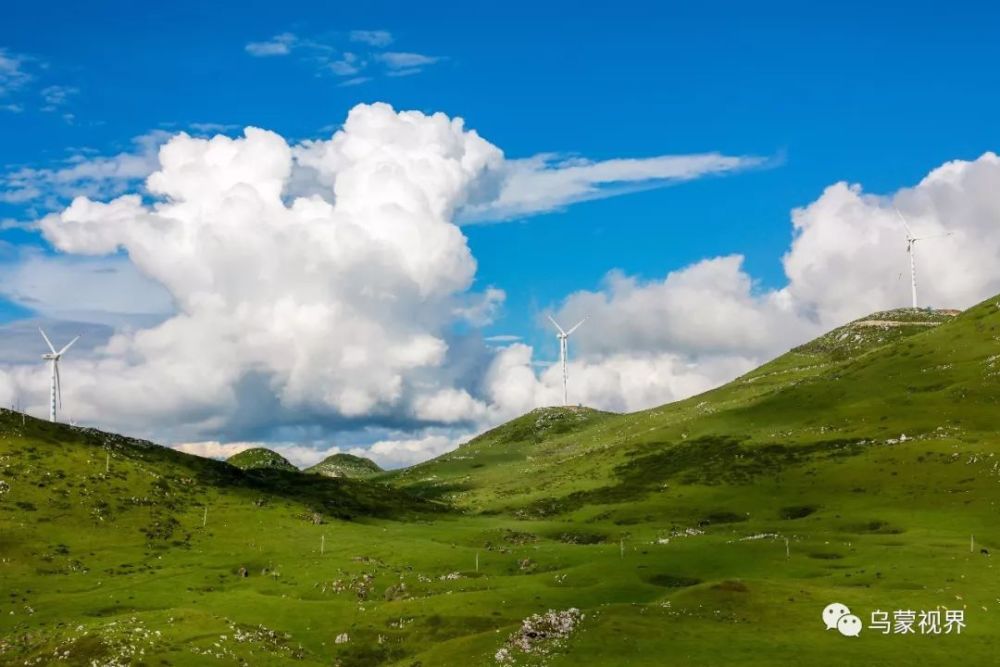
(345, 465)
(879, 328)
(260, 458)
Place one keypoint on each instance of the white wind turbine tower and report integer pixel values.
(911, 240)
(55, 390)
(563, 337)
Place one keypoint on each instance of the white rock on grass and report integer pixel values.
(540, 634)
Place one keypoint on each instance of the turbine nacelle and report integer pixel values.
(910, 238)
(562, 333)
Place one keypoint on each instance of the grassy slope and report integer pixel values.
(345, 465)
(260, 458)
(640, 520)
(528, 459)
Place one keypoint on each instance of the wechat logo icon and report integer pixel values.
(838, 617)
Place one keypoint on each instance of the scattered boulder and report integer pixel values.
(539, 634)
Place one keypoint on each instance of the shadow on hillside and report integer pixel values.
(707, 461)
(333, 497)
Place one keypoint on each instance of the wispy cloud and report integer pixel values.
(377, 38)
(13, 72)
(83, 174)
(19, 76)
(503, 338)
(212, 128)
(57, 96)
(548, 182)
(356, 81)
(348, 65)
(279, 45)
(354, 65)
(402, 60)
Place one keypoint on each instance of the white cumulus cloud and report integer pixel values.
(290, 305)
(315, 289)
(849, 253)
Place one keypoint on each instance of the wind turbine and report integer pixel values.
(563, 337)
(910, 242)
(55, 391)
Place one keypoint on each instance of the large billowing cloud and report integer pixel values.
(316, 291)
(312, 288)
(336, 307)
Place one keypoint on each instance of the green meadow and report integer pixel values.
(861, 468)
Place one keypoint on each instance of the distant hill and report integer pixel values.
(260, 458)
(345, 465)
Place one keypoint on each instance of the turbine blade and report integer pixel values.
(903, 220)
(68, 345)
(557, 325)
(933, 236)
(47, 341)
(576, 326)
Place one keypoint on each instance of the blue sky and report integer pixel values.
(877, 95)
(872, 93)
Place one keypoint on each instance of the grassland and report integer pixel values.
(862, 468)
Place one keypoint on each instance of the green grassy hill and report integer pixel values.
(524, 459)
(259, 458)
(345, 465)
(862, 468)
